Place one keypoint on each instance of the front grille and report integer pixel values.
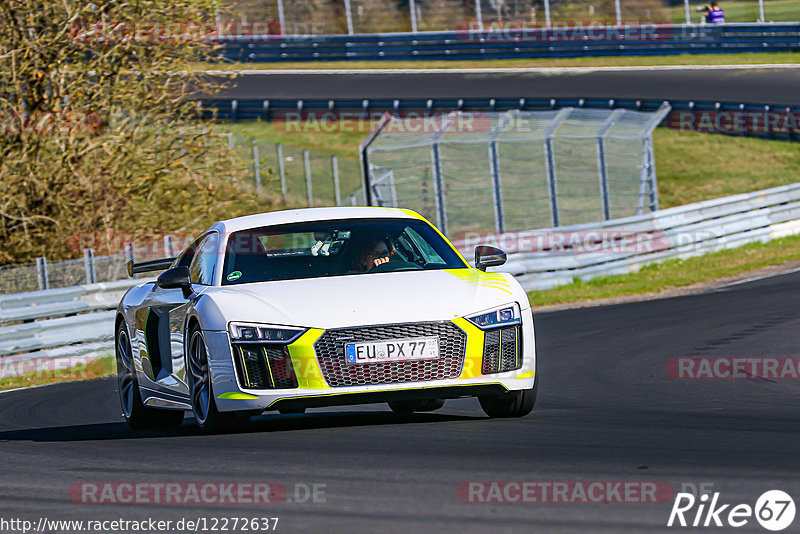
(337, 373)
(264, 366)
(502, 350)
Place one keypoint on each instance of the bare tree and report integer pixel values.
(95, 112)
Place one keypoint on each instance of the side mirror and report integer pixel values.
(176, 278)
(486, 256)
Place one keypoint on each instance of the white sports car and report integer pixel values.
(318, 307)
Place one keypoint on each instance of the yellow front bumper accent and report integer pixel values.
(473, 360)
(304, 360)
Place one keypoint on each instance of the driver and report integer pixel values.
(370, 253)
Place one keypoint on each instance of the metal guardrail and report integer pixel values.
(296, 109)
(58, 328)
(572, 41)
(625, 245)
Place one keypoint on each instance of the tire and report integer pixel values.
(416, 405)
(512, 403)
(136, 414)
(204, 408)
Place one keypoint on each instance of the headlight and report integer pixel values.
(264, 333)
(505, 315)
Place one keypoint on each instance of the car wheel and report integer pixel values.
(510, 404)
(204, 408)
(416, 405)
(136, 414)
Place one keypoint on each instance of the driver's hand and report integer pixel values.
(380, 261)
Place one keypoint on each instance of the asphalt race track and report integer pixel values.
(607, 411)
(733, 84)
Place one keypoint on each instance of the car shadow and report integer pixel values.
(260, 424)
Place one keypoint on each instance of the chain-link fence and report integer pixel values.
(91, 269)
(323, 17)
(301, 177)
(66, 273)
(516, 170)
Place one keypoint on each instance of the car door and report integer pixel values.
(162, 316)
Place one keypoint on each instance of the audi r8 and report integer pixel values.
(318, 307)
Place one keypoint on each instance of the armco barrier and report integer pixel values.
(679, 232)
(66, 326)
(701, 112)
(559, 41)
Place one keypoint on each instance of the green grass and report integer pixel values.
(674, 273)
(748, 58)
(692, 167)
(104, 366)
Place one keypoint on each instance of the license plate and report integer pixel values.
(393, 350)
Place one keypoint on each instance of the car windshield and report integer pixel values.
(335, 248)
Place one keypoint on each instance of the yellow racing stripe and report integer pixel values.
(480, 278)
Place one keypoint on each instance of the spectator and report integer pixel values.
(715, 14)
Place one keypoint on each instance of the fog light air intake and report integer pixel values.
(502, 350)
(264, 366)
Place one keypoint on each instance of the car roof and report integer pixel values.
(311, 214)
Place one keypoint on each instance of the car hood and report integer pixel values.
(365, 299)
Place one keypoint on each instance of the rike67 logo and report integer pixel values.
(774, 510)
